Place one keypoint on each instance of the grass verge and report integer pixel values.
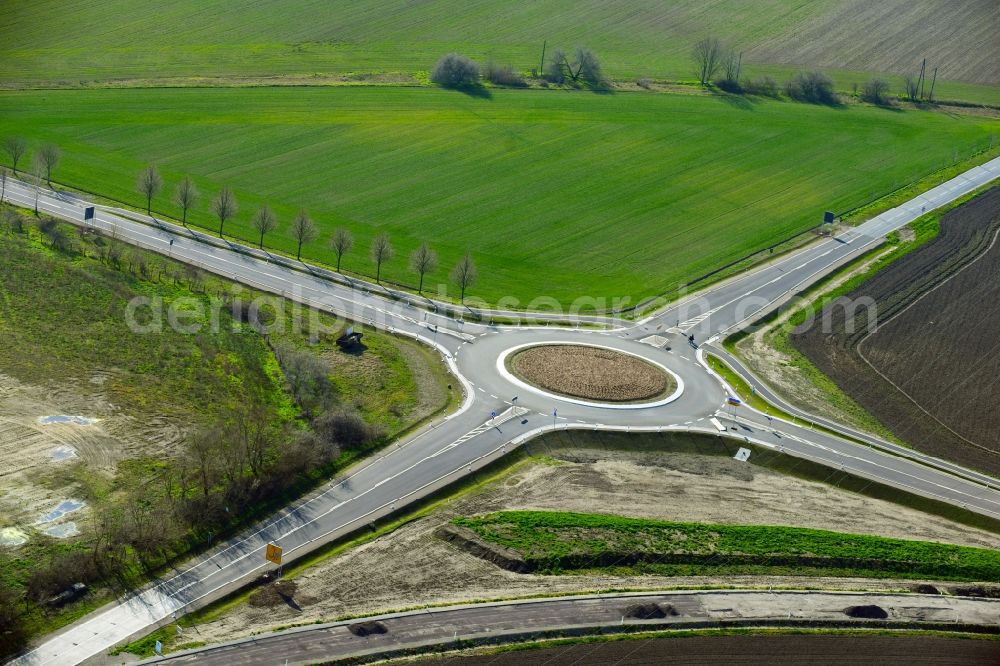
(562, 542)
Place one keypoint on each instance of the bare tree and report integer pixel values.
(588, 67)
(464, 274)
(16, 147)
(3, 183)
(251, 430)
(912, 85)
(49, 155)
(264, 222)
(707, 56)
(585, 66)
(423, 261)
(341, 242)
(555, 67)
(732, 62)
(381, 253)
(185, 196)
(224, 206)
(149, 185)
(303, 231)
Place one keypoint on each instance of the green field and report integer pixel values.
(557, 542)
(556, 193)
(83, 42)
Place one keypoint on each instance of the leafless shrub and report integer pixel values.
(813, 87)
(503, 75)
(764, 86)
(345, 428)
(876, 91)
(455, 71)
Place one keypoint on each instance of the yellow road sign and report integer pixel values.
(273, 553)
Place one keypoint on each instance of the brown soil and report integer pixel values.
(868, 612)
(412, 566)
(650, 611)
(930, 369)
(764, 650)
(591, 373)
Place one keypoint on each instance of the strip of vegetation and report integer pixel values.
(556, 542)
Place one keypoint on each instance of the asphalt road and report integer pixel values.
(514, 621)
(473, 437)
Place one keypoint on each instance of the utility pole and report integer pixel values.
(923, 79)
(739, 66)
(933, 81)
(541, 68)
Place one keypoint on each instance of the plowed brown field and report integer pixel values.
(763, 650)
(930, 368)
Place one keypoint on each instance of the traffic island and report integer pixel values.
(587, 372)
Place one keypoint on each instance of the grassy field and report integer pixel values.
(85, 41)
(558, 194)
(558, 542)
(59, 314)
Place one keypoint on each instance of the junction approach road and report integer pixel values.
(497, 413)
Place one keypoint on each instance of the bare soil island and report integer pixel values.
(591, 373)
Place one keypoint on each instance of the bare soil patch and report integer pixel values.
(273, 594)
(39, 462)
(930, 367)
(412, 566)
(868, 612)
(367, 628)
(591, 373)
(650, 611)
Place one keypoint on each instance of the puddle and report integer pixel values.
(63, 531)
(66, 506)
(62, 453)
(63, 418)
(11, 536)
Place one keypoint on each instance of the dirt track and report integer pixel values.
(931, 369)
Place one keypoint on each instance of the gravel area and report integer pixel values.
(591, 373)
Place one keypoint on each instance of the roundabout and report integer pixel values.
(575, 375)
